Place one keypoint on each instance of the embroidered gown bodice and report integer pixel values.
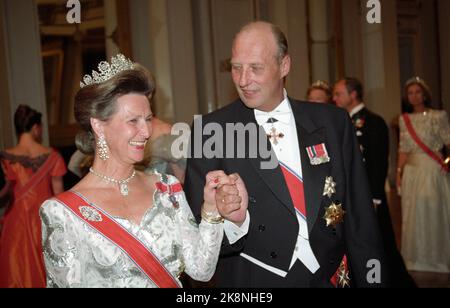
(78, 256)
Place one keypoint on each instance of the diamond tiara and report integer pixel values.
(321, 84)
(118, 64)
(417, 80)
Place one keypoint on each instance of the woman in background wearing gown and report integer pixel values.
(158, 152)
(34, 173)
(423, 182)
(320, 92)
(4, 194)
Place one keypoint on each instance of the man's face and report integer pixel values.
(256, 71)
(341, 96)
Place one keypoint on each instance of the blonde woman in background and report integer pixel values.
(320, 92)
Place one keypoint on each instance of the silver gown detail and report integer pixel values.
(425, 196)
(78, 256)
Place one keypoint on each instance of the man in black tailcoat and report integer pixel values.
(373, 138)
(307, 204)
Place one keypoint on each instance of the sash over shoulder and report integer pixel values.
(144, 259)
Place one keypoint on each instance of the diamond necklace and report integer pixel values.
(123, 184)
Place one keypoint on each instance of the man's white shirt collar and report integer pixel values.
(357, 109)
(282, 113)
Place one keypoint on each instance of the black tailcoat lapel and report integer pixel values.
(273, 178)
(313, 176)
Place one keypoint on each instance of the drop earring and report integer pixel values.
(102, 148)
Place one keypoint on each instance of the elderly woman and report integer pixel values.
(122, 228)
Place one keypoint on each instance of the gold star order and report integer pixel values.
(334, 214)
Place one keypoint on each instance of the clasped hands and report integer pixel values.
(226, 195)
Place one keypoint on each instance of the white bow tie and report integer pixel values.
(280, 116)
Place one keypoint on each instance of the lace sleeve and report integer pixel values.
(200, 243)
(444, 128)
(60, 246)
(406, 142)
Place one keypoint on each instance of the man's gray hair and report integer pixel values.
(282, 43)
(280, 37)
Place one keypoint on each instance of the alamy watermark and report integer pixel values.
(216, 141)
(74, 14)
(374, 14)
(374, 274)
